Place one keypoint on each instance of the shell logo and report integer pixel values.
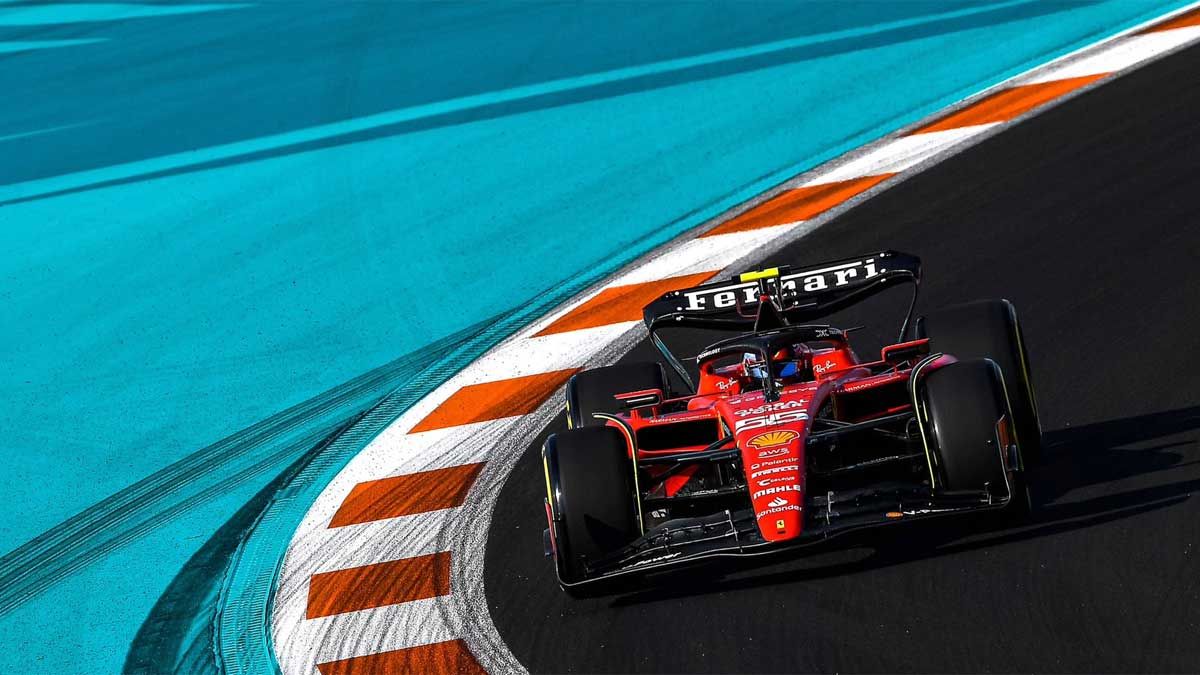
(772, 438)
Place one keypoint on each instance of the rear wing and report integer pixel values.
(780, 296)
(797, 296)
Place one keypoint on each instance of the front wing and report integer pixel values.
(734, 534)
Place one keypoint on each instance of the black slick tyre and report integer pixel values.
(592, 496)
(962, 403)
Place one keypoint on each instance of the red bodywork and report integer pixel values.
(771, 435)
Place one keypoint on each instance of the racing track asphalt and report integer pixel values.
(1085, 217)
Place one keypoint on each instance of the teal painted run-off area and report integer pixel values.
(228, 228)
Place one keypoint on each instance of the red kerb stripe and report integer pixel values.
(378, 585)
(405, 495)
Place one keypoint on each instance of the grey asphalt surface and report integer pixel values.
(1085, 217)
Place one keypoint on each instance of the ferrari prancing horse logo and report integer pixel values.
(772, 438)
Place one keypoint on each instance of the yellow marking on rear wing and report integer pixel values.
(761, 274)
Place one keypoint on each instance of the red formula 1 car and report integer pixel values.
(786, 436)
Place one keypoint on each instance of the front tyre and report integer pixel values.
(963, 405)
(592, 497)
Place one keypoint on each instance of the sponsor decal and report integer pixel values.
(772, 438)
(655, 559)
(775, 490)
(777, 509)
(779, 525)
(770, 420)
(777, 502)
(792, 284)
(676, 417)
(775, 481)
(773, 462)
(778, 469)
(874, 382)
(824, 366)
(771, 407)
(725, 384)
(773, 453)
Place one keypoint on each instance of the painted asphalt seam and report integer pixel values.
(388, 594)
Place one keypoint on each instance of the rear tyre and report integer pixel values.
(989, 329)
(963, 401)
(592, 391)
(593, 498)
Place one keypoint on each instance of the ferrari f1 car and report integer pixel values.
(785, 436)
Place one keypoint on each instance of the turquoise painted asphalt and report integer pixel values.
(212, 213)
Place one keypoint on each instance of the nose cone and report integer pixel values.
(777, 525)
(774, 462)
(771, 438)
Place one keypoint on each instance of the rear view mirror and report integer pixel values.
(905, 351)
(645, 398)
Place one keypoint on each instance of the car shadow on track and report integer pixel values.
(1091, 475)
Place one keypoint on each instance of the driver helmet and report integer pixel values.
(795, 359)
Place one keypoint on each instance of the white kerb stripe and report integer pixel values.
(900, 153)
(1119, 55)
